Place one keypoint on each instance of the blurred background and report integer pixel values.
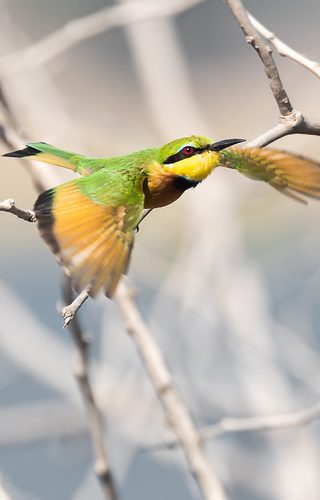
(228, 277)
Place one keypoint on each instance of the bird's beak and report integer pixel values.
(217, 146)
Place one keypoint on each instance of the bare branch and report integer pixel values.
(283, 49)
(264, 423)
(9, 206)
(176, 413)
(69, 311)
(81, 29)
(102, 466)
(295, 123)
(265, 54)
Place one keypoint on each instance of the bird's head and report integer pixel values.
(192, 157)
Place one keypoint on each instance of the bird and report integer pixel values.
(90, 222)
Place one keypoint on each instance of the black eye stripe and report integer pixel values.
(181, 155)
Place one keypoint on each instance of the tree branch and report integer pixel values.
(295, 123)
(283, 49)
(102, 465)
(248, 424)
(253, 38)
(176, 413)
(264, 423)
(70, 310)
(10, 206)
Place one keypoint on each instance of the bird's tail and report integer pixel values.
(46, 153)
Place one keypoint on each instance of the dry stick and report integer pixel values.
(248, 424)
(81, 29)
(102, 466)
(68, 312)
(264, 423)
(292, 124)
(265, 54)
(10, 206)
(284, 50)
(176, 412)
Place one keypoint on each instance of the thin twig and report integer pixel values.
(253, 38)
(283, 49)
(264, 423)
(81, 29)
(295, 123)
(102, 465)
(176, 413)
(10, 206)
(69, 311)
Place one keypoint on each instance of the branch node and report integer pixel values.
(292, 120)
(68, 312)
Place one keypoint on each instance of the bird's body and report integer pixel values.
(89, 222)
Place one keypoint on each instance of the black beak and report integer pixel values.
(217, 146)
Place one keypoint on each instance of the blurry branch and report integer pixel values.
(253, 38)
(9, 206)
(283, 49)
(102, 466)
(264, 423)
(81, 29)
(176, 412)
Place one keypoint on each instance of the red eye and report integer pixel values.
(188, 150)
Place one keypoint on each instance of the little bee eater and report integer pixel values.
(89, 223)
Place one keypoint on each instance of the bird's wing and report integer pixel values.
(90, 229)
(288, 173)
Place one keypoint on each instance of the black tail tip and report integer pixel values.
(22, 153)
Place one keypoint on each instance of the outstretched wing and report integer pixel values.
(286, 172)
(91, 238)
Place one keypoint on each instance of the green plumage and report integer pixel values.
(89, 223)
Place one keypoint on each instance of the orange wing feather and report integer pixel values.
(90, 240)
(286, 172)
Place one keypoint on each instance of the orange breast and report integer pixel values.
(161, 194)
(162, 187)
